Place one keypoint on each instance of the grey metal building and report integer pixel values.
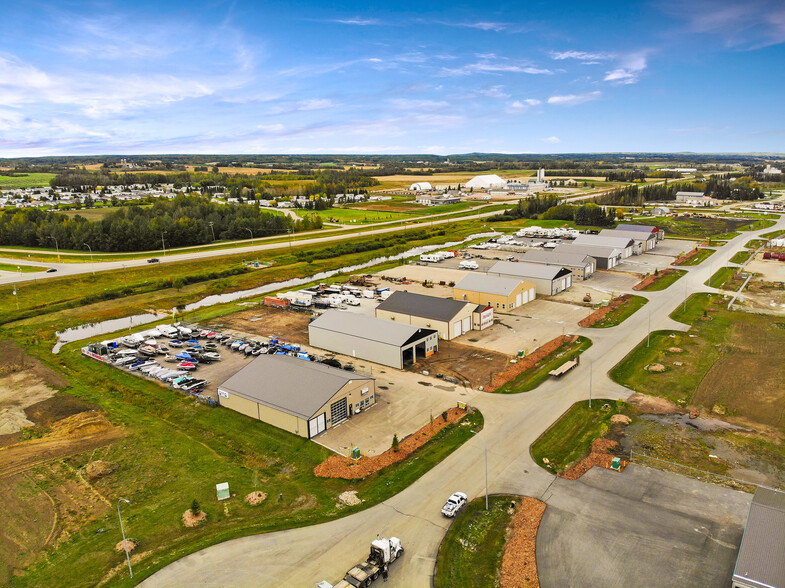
(642, 229)
(646, 240)
(606, 257)
(761, 560)
(581, 265)
(626, 245)
(380, 341)
(452, 318)
(548, 279)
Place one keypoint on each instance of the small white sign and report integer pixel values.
(223, 394)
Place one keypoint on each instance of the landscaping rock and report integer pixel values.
(349, 498)
(622, 419)
(98, 468)
(122, 545)
(656, 368)
(255, 498)
(675, 350)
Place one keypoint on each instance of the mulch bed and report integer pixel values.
(650, 279)
(528, 362)
(599, 456)
(338, 466)
(519, 563)
(686, 256)
(600, 313)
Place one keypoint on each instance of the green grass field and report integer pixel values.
(740, 257)
(696, 227)
(620, 314)
(665, 281)
(25, 181)
(10, 267)
(699, 257)
(532, 378)
(772, 235)
(353, 215)
(721, 277)
(569, 439)
(470, 555)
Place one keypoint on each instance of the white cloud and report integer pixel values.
(415, 104)
(553, 140)
(489, 64)
(573, 99)
(494, 92)
(358, 21)
(629, 72)
(315, 104)
(582, 55)
(521, 106)
(273, 129)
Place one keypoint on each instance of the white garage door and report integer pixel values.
(518, 300)
(317, 425)
(467, 324)
(455, 329)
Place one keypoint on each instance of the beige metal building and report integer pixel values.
(499, 292)
(296, 395)
(450, 317)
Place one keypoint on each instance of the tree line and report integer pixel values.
(549, 208)
(182, 221)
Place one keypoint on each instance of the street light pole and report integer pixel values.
(250, 231)
(486, 468)
(212, 230)
(57, 246)
(648, 334)
(91, 256)
(591, 370)
(122, 530)
(163, 243)
(289, 231)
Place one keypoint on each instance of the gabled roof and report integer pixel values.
(528, 270)
(761, 560)
(294, 386)
(638, 228)
(368, 327)
(422, 305)
(624, 234)
(592, 250)
(618, 242)
(487, 284)
(551, 256)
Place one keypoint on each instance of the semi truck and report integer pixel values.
(383, 553)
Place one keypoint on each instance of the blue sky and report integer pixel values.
(397, 77)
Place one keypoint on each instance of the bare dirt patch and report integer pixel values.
(99, 468)
(337, 466)
(127, 545)
(647, 404)
(464, 363)
(256, 498)
(600, 456)
(270, 322)
(194, 520)
(519, 563)
(349, 498)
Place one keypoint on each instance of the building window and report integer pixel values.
(364, 391)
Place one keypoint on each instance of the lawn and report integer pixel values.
(696, 227)
(772, 235)
(10, 267)
(354, 215)
(471, 553)
(535, 376)
(721, 277)
(25, 181)
(177, 450)
(569, 439)
(620, 314)
(699, 257)
(740, 257)
(664, 281)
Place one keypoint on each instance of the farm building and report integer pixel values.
(485, 182)
(421, 187)
(660, 233)
(500, 292)
(646, 241)
(761, 559)
(549, 280)
(450, 318)
(296, 395)
(581, 265)
(606, 257)
(626, 245)
(380, 341)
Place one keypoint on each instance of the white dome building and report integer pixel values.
(421, 187)
(485, 182)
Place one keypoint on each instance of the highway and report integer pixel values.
(302, 557)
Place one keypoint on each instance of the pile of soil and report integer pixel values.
(129, 543)
(657, 368)
(686, 256)
(653, 404)
(98, 468)
(192, 520)
(519, 563)
(349, 498)
(621, 419)
(675, 350)
(599, 456)
(600, 313)
(528, 362)
(650, 279)
(80, 425)
(338, 466)
(255, 498)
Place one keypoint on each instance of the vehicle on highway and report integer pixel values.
(454, 504)
(153, 260)
(51, 270)
(383, 553)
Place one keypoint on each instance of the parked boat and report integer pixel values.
(186, 365)
(162, 349)
(175, 343)
(148, 350)
(171, 359)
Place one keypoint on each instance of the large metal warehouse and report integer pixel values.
(377, 340)
(450, 317)
(646, 241)
(660, 233)
(606, 257)
(500, 292)
(296, 395)
(627, 246)
(761, 560)
(548, 279)
(581, 265)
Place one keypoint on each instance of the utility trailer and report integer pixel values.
(563, 369)
(383, 553)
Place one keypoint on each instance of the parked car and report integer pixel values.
(153, 260)
(454, 504)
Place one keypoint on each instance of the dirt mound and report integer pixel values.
(129, 543)
(98, 468)
(600, 313)
(192, 520)
(675, 350)
(349, 498)
(255, 498)
(621, 419)
(519, 564)
(653, 405)
(599, 456)
(337, 466)
(80, 425)
(656, 368)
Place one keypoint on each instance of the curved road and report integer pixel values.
(302, 557)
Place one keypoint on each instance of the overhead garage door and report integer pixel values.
(518, 300)
(467, 324)
(338, 411)
(317, 425)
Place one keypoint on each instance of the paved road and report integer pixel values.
(71, 269)
(301, 557)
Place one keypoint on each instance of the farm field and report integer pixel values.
(354, 215)
(40, 180)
